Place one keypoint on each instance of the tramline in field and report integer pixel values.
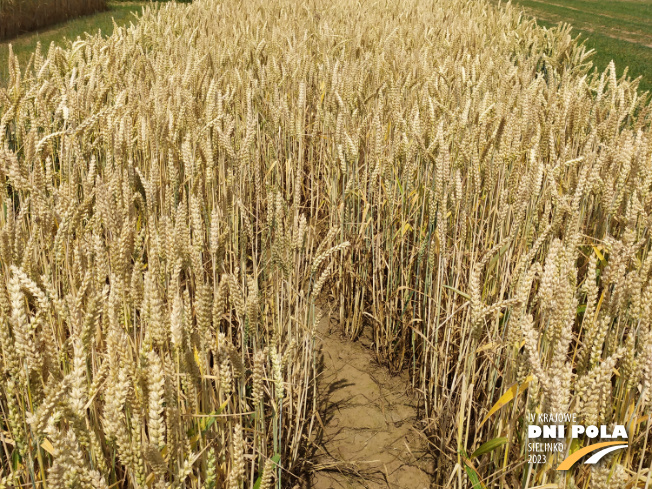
(182, 200)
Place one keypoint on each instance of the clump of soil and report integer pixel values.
(369, 437)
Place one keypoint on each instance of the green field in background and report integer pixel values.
(23, 46)
(618, 30)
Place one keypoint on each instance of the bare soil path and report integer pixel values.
(369, 437)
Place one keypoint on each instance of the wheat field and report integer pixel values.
(183, 200)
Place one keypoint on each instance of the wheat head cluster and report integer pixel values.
(183, 201)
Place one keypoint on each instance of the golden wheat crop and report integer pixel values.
(182, 199)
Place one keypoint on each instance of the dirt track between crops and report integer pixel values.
(369, 438)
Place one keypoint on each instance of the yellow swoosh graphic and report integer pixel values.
(571, 459)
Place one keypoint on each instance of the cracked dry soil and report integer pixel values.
(369, 438)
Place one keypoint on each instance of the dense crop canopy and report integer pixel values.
(178, 197)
